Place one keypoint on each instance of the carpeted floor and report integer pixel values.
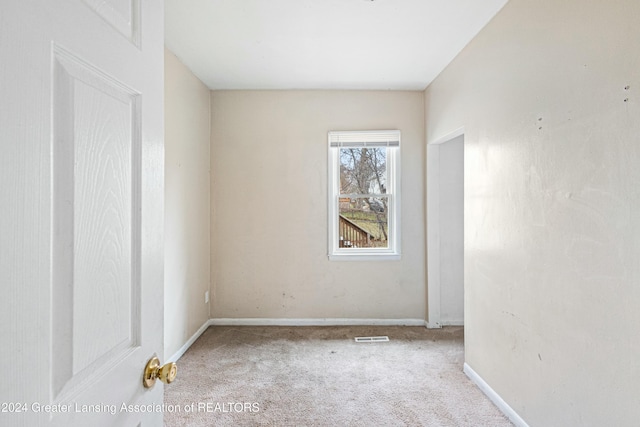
(319, 376)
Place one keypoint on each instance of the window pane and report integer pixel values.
(363, 170)
(363, 222)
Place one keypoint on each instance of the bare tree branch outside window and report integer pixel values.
(363, 199)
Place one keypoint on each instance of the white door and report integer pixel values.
(81, 202)
(451, 205)
(445, 230)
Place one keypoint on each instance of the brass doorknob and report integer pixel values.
(153, 371)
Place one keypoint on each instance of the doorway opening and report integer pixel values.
(445, 230)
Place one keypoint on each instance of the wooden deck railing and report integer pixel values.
(352, 236)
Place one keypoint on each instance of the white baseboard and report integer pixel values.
(189, 343)
(494, 397)
(452, 322)
(316, 322)
(438, 325)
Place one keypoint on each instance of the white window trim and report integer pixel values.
(392, 253)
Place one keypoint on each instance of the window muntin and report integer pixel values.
(364, 193)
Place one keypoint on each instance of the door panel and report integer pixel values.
(96, 206)
(123, 15)
(81, 172)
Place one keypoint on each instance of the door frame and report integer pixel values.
(433, 186)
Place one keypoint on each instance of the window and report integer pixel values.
(364, 195)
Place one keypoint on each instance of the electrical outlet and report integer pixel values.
(206, 297)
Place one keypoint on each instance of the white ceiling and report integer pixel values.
(322, 44)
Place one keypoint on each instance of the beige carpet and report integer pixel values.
(318, 376)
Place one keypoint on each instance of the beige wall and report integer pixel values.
(552, 230)
(186, 204)
(269, 207)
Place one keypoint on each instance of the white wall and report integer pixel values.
(269, 207)
(451, 205)
(187, 246)
(548, 96)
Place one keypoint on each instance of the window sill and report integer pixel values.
(365, 257)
